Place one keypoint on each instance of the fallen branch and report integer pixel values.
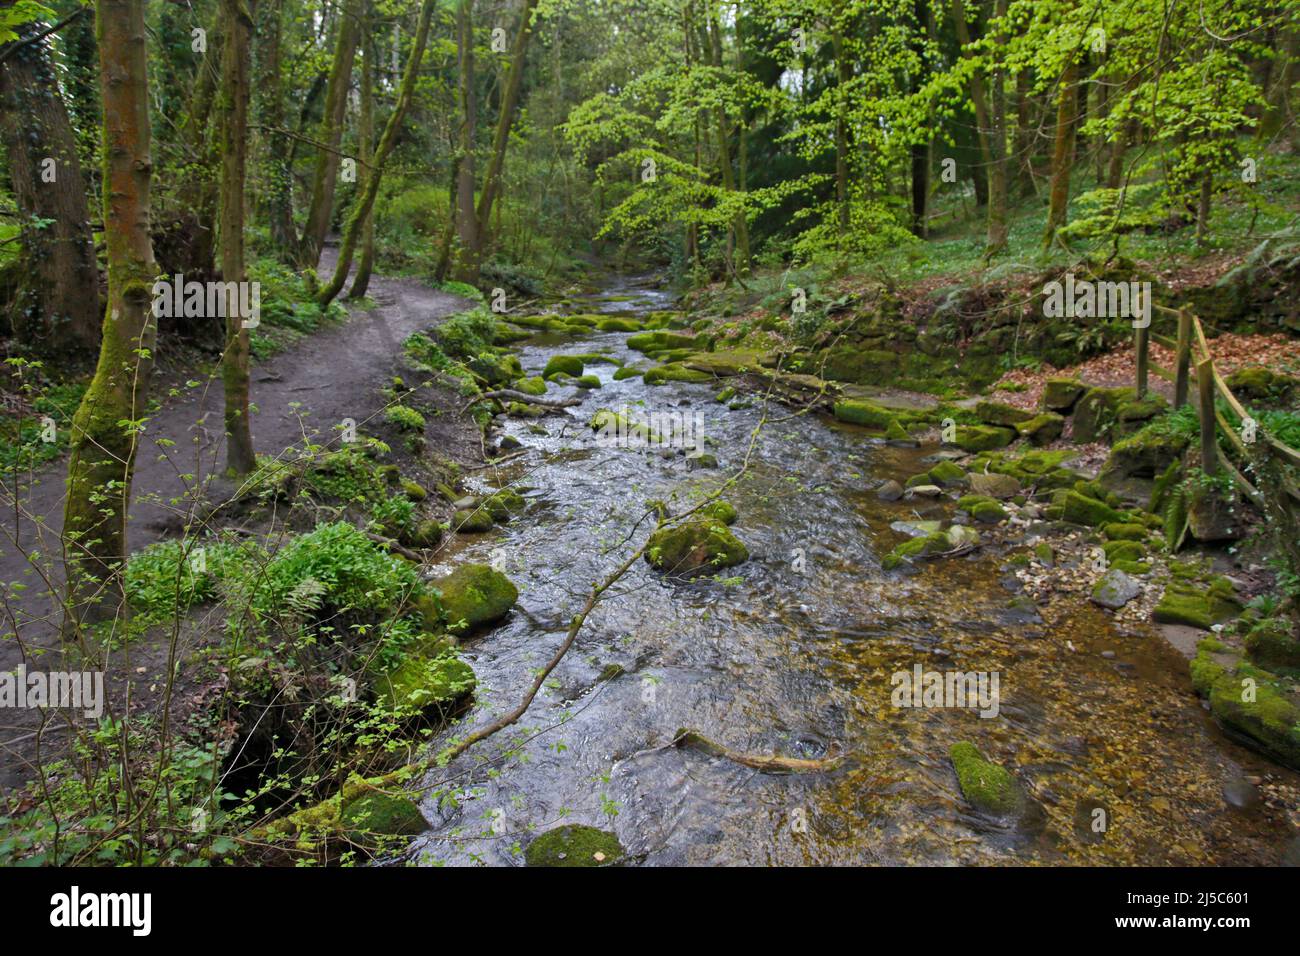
(512, 395)
(767, 764)
(394, 547)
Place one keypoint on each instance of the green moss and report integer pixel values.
(867, 414)
(1124, 551)
(995, 413)
(1081, 509)
(693, 545)
(918, 547)
(674, 373)
(531, 386)
(1041, 429)
(1272, 643)
(618, 325)
(896, 432)
(1258, 705)
(985, 785)
(414, 490)
(423, 683)
(975, 438)
(628, 371)
(658, 341)
(376, 813)
(1194, 604)
(574, 845)
(501, 505)
(1125, 531)
(1060, 394)
(566, 364)
(472, 521)
(720, 511)
(474, 596)
(982, 508)
(589, 381)
(947, 474)
(1132, 567)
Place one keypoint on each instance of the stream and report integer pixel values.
(792, 653)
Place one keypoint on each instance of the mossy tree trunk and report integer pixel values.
(366, 196)
(1067, 110)
(277, 171)
(991, 133)
(467, 224)
(50, 192)
(331, 135)
(105, 429)
(365, 152)
(234, 160)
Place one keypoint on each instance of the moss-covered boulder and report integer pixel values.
(1213, 512)
(1258, 706)
(720, 511)
(376, 813)
(628, 371)
(588, 381)
(496, 369)
(504, 504)
(1082, 509)
(1060, 394)
(472, 521)
(531, 386)
(985, 785)
(618, 325)
(947, 474)
(995, 413)
(922, 546)
(975, 438)
(659, 341)
(1145, 454)
(867, 414)
(574, 845)
(673, 372)
(1124, 531)
(1263, 385)
(1114, 413)
(993, 484)
(424, 683)
(697, 544)
(1274, 645)
(982, 508)
(1197, 603)
(563, 364)
(476, 595)
(1041, 429)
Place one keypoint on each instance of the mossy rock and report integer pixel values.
(472, 521)
(496, 369)
(1084, 510)
(413, 490)
(520, 410)
(947, 474)
(563, 364)
(1041, 429)
(985, 785)
(374, 813)
(589, 381)
(504, 504)
(867, 414)
(674, 373)
(995, 413)
(1124, 551)
(658, 341)
(922, 546)
(618, 325)
(982, 508)
(1125, 531)
(699, 543)
(531, 386)
(726, 395)
(425, 534)
(476, 594)
(1263, 385)
(574, 845)
(1254, 703)
(1274, 645)
(421, 683)
(628, 371)
(1146, 454)
(975, 438)
(896, 432)
(1060, 394)
(1197, 605)
(1113, 413)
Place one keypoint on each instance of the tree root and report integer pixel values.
(524, 397)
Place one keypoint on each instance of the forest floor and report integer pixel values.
(301, 394)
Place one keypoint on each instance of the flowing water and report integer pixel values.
(792, 653)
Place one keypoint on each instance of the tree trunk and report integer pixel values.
(505, 120)
(331, 135)
(278, 173)
(739, 227)
(991, 134)
(467, 237)
(102, 448)
(234, 156)
(841, 134)
(366, 197)
(48, 185)
(1062, 152)
(365, 150)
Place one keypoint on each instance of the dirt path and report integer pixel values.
(308, 389)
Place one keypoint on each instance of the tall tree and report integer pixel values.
(1067, 111)
(234, 159)
(106, 427)
(50, 192)
(327, 157)
(365, 153)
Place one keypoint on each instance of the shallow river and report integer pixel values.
(792, 653)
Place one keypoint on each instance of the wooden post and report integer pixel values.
(1184, 358)
(1143, 348)
(1209, 441)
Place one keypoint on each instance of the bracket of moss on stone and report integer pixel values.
(686, 737)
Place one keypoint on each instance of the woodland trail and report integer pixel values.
(303, 392)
